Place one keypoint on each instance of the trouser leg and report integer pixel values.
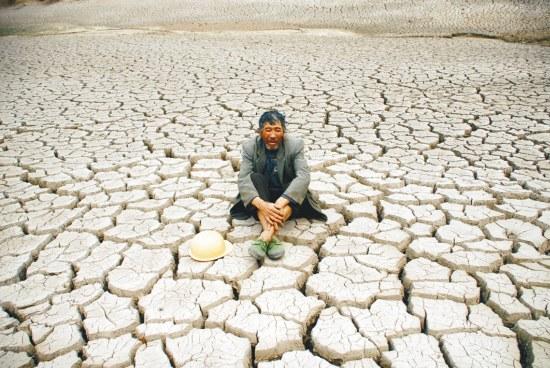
(261, 185)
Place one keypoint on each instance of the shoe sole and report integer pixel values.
(276, 257)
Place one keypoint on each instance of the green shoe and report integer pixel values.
(276, 250)
(258, 249)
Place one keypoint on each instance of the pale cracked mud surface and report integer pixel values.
(513, 20)
(429, 156)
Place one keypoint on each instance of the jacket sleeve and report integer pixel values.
(297, 189)
(247, 190)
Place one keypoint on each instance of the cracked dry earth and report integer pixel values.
(430, 158)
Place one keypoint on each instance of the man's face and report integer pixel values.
(272, 135)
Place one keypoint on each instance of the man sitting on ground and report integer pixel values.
(273, 183)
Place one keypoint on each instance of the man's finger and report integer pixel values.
(275, 219)
(268, 219)
(274, 208)
(273, 212)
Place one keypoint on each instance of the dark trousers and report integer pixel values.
(261, 183)
(262, 187)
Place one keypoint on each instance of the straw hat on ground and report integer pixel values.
(208, 245)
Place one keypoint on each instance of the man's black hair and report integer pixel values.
(272, 117)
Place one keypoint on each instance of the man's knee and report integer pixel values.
(261, 185)
(258, 179)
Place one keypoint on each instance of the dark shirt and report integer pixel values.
(271, 172)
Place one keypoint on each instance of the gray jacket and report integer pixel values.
(292, 169)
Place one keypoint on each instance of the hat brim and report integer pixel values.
(228, 249)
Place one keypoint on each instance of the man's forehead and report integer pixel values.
(273, 124)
